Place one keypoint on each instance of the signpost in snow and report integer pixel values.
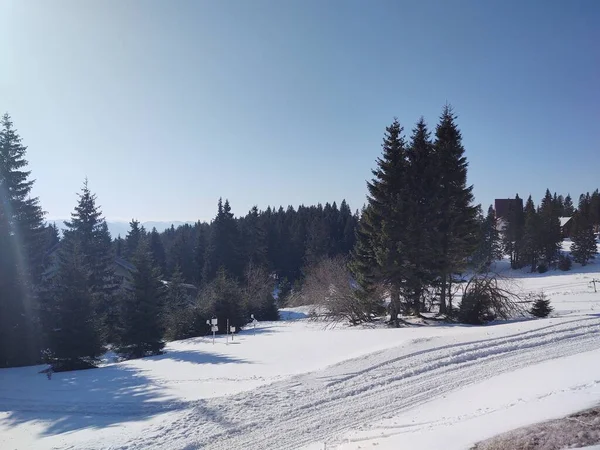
(227, 333)
(213, 327)
(254, 322)
(232, 332)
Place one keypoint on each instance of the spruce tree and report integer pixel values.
(381, 238)
(200, 252)
(568, 208)
(457, 215)
(133, 239)
(254, 238)
(73, 329)
(223, 250)
(141, 325)
(584, 246)
(531, 237)
(22, 248)
(541, 306)
(176, 308)
(157, 250)
(87, 230)
(489, 248)
(512, 234)
(421, 205)
(550, 232)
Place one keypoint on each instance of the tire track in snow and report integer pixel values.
(320, 406)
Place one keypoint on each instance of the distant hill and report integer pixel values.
(117, 228)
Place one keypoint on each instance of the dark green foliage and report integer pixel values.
(257, 293)
(541, 306)
(253, 231)
(203, 232)
(157, 250)
(181, 254)
(88, 231)
(542, 268)
(73, 329)
(223, 298)
(23, 241)
(490, 247)
(457, 216)
(224, 249)
(531, 246)
(564, 262)
(549, 231)
(179, 312)
(513, 234)
(141, 327)
(584, 247)
(133, 239)
(568, 208)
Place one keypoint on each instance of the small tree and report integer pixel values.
(141, 320)
(73, 329)
(223, 298)
(177, 311)
(258, 293)
(541, 306)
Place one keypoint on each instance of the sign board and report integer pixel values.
(208, 322)
(214, 328)
(214, 321)
(232, 329)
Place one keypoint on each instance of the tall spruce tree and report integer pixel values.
(22, 248)
(223, 250)
(584, 247)
(550, 232)
(457, 215)
(531, 247)
(88, 232)
(73, 329)
(141, 327)
(421, 219)
(380, 238)
(200, 251)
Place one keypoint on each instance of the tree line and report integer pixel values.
(62, 302)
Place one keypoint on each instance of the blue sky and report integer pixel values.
(166, 106)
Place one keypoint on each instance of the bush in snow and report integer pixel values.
(329, 285)
(542, 268)
(564, 263)
(541, 306)
(487, 297)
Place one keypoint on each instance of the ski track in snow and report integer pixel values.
(320, 406)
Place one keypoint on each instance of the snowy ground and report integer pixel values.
(297, 384)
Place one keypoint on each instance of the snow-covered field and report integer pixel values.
(298, 384)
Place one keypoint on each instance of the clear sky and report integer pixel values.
(166, 106)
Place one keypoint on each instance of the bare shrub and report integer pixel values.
(487, 297)
(257, 293)
(329, 287)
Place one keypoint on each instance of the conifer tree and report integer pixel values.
(133, 239)
(584, 247)
(141, 327)
(73, 329)
(381, 232)
(531, 238)
(223, 250)
(550, 232)
(200, 252)
(22, 248)
(254, 238)
(489, 249)
(176, 310)
(513, 233)
(87, 230)
(457, 215)
(157, 250)
(541, 306)
(568, 208)
(421, 218)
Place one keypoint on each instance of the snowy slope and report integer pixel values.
(298, 384)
